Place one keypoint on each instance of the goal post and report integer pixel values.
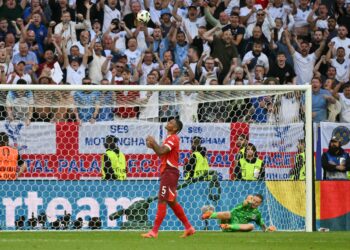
(63, 157)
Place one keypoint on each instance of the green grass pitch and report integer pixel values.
(170, 240)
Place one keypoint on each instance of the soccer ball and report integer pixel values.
(143, 16)
(207, 208)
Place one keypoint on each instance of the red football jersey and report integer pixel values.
(171, 158)
(263, 3)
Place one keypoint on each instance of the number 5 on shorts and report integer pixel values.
(163, 190)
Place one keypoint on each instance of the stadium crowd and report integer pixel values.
(200, 42)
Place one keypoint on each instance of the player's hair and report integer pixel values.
(260, 197)
(4, 139)
(179, 125)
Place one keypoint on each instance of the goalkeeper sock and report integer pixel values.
(234, 227)
(214, 215)
(179, 212)
(161, 212)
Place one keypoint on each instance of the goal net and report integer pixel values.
(254, 138)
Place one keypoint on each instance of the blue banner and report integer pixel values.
(87, 199)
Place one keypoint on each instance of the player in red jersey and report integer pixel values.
(169, 176)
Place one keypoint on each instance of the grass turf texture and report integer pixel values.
(171, 240)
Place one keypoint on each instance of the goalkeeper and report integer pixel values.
(237, 220)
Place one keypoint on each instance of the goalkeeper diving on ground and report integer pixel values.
(239, 218)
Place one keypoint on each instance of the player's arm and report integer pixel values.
(248, 200)
(262, 225)
(158, 149)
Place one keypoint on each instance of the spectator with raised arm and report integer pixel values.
(263, 20)
(224, 42)
(192, 22)
(341, 41)
(222, 19)
(301, 14)
(340, 62)
(75, 67)
(37, 7)
(67, 28)
(303, 61)
(248, 13)
(130, 19)
(95, 66)
(110, 12)
(319, 21)
(279, 9)
(58, 8)
(179, 44)
(156, 10)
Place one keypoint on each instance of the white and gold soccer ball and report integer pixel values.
(143, 16)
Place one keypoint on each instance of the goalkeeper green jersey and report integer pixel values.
(245, 214)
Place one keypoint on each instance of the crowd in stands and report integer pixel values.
(199, 42)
